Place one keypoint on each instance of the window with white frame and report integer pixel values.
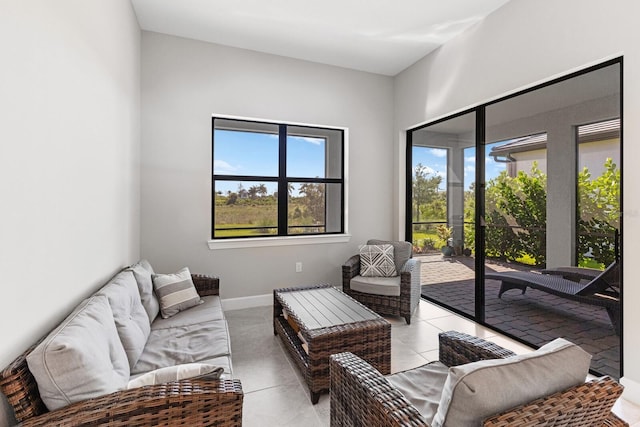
(276, 179)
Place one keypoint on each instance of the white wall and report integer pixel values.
(525, 42)
(69, 159)
(185, 82)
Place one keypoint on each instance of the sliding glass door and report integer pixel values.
(532, 183)
(443, 209)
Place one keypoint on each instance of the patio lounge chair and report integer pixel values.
(602, 290)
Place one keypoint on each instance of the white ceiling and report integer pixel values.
(379, 36)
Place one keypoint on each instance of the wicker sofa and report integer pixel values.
(361, 396)
(207, 400)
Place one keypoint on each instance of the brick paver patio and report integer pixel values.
(536, 317)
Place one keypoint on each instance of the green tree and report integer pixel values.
(313, 200)
(426, 199)
(253, 191)
(262, 190)
(599, 207)
(516, 215)
(232, 198)
(470, 216)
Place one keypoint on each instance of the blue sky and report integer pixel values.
(256, 154)
(435, 160)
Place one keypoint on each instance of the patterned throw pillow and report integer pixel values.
(377, 261)
(176, 292)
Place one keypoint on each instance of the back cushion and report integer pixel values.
(402, 251)
(82, 358)
(475, 391)
(142, 271)
(131, 319)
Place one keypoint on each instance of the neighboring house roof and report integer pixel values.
(600, 131)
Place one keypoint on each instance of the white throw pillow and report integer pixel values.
(177, 373)
(478, 390)
(176, 292)
(377, 261)
(132, 321)
(82, 358)
(143, 272)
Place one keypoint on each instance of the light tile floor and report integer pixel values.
(276, 395)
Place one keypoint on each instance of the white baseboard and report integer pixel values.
(631, 390)
(247, 302)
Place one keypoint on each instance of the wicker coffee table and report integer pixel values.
(316, 322)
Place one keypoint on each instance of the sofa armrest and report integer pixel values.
(457, 348)
(590, 401)
(350, 269)
(206, 285)
(186, 402)
(360, 395)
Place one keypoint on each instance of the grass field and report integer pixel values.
(261, 218)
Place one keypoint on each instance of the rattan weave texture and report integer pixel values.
(403, 305)
(369, 339)
(180, 403)
(361, 396)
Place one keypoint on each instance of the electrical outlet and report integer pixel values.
(298, 267)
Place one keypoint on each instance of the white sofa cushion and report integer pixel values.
(82, 358)
(210, 309)
(176, 373)
(475, 391)
(142, 271)
(422, 387)
(132, 321)
(184, 344)
(176, 292)
(224, 362)
(376, 285)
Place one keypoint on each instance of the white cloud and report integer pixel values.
(469, 169)
(309, 139)
(426, 169)
(438, 152)
(222, 167)
(470, 159)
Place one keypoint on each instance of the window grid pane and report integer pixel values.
(246, 189)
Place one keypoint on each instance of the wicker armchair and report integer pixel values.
(360, 395)
(397, 305)
(194, 402)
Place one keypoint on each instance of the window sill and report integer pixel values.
(261, 242)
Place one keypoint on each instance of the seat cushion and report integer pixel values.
(131, 319)
(82, 358)
(143, 271)
(176, 292)
(184, 344)
(376, 285)
(225, 363)
(422, 387)
(475, 391)
(402, 251)
(177, 373)
(210, 309)
(377, 261)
